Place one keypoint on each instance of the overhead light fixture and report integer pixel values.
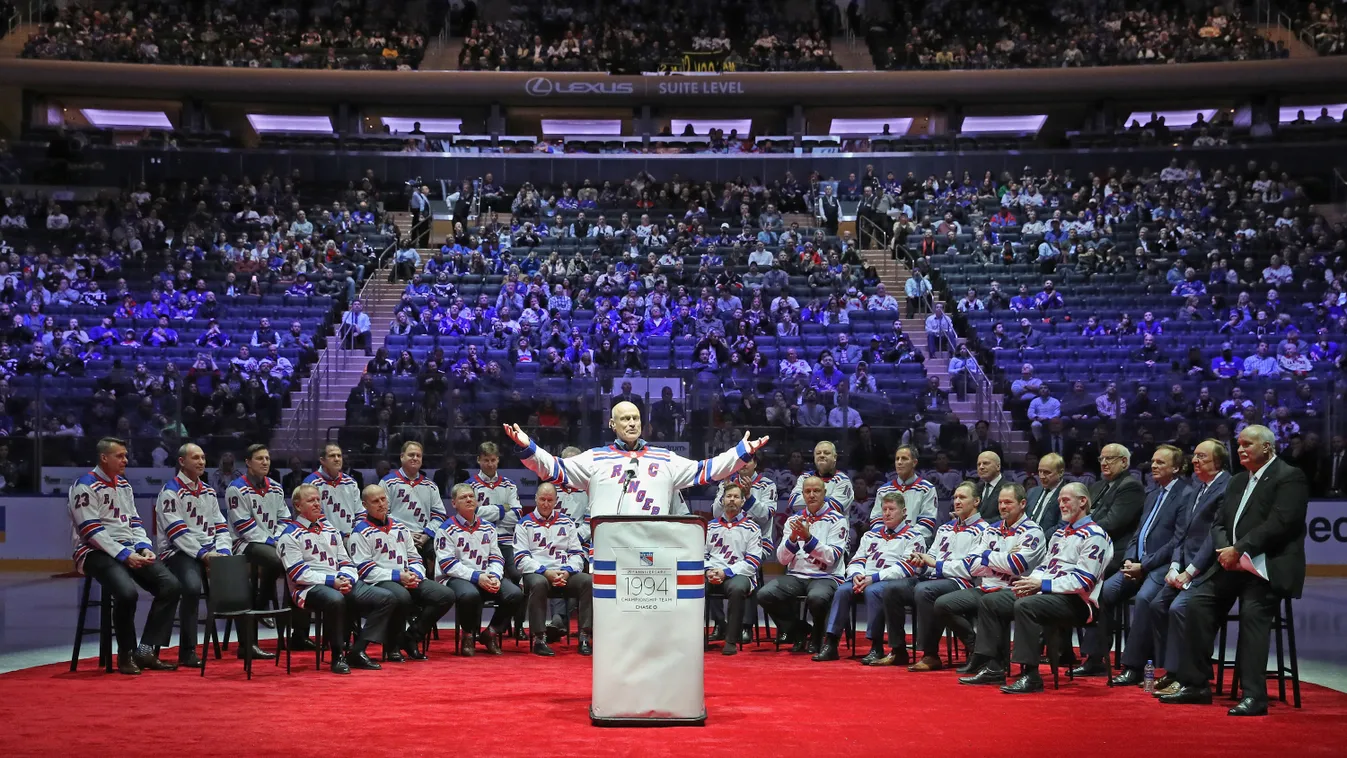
(703, 126)
(1182, 119)
(565, 127)
(113, 119)
(868, 127)
(1003, 124)
(428, 125)
(1288, 113)
(264, 123)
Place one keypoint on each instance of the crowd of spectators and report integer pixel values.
(1320, 23)
(337, 34)
(975, 34)
(183, 311)
(645, 35)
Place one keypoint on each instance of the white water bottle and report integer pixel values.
(1148, 678)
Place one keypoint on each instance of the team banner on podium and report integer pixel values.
(649, 621)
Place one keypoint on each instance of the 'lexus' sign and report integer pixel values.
(541, 86)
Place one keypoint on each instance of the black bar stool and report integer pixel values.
(1284, 631)
(103, 630)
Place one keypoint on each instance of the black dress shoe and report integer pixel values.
(299, 644)
(990, 674)
(268, 622)
(394, 657)
(1189, 696)
(554, 633)
(1091, 668)
(972, 665)
(1128, 678)
(717, 634)
(190, 661)
(872, 657)
(468, 648)
(1249, 707)
(800, 646)
(339, 665)
(730, 649)
(413, 653)
(586, 644)
(490, 639)
(827, 653)
(540, 648)
(362, 661)
(148, 660)
(126, 664)
(258, 654)
(1028, 682)
(814, 647)
(745, 636)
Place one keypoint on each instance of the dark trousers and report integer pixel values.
(996, 612)
(927, 624)
(957, 610)
(1117, 590)
(512, 574)
(779, 596)
(122, 583)
(190, 574)
(373, 604)
(469, 598)
(424, 604)
(1197, 621)
(1167, 647)
(537, 589)
(736, 590)
(269, 568)
(876, 597)
(1035, 613)
(1139, 646)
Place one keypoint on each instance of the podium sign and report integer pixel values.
(649, 622)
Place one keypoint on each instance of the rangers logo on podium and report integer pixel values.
(647, 559)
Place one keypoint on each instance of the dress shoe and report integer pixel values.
(553, 633)
(257, 653)
(268, 622)
(413, 653)
(1028, 682)
(126, 664)
(899, 656)
(990, 674)
(827, 653)
(814, 647)
(1249, 707)
(1128, 678)
(1091, 668)
(361, 660)
(148, 660)
(586, 644)
(887, 660)
(1168, 689)
(927, 663)
(1165, 682)
(873, 657)
(189, 661)
(717, 634)
(394, 657)
(731, 648)
(339, 665)
(540, 647)
(467, 648)
(974, 664)
(745, 636)
(490, 639)
(1189, 696)
(800, 646)
(299, 644)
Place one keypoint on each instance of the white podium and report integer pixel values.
(649, 624)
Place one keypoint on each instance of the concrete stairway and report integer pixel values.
(852, 58)
(442, 54)
(1279, 33)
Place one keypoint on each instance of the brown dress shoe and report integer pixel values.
(1170, 690)
(927, 663)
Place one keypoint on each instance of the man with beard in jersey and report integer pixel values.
(757, 501)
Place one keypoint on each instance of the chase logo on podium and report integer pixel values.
(647, 559)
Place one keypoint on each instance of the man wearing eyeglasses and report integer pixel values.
(1117, 499)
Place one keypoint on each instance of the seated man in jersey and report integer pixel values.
(192, 531)
(881, 562)
(469, 558)
(548, 555)
(758, 502)
(1011, 548)
(414, 500)
(385, 556)
(341, 495)
(1059, 595)
(811, 550)
(733, 557)
(946, 571)
(919, 496)
(321, 576)
(498, 505)
(259, 514)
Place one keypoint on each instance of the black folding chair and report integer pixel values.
(231, 597)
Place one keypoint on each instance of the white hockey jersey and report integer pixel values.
(575, 504)
(466, 551)
(837, 492)
(653, 475)
(1006, 553)
(414, 501)
(188, 519)
(735, 547)
(954, 542)
(821, 555)
(312, 554)
(1077, 557)
(920, 498)
(759, 503)
(883, 553)
(258, 515)
(542, 544)
(382, 552)
(497, 503)
(103, 517)
(342, 505)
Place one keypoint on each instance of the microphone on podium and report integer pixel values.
(628, 475)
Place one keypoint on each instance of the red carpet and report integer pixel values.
(761, 704)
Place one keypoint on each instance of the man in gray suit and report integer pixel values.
(1117, 499)
(1143, 570)
(1192, 556)
(1043, 507)
(989, 482)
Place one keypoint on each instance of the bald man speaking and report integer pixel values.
(629, 477)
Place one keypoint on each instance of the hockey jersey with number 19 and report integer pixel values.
(954, 541)
(342, 505)
(883, 553)
(1077, 557)
(103, 516)
(381, 552)
(188, 518)
(414, 501)
(259, 514)
(1006, 553)
(652, 490)
(497, 503)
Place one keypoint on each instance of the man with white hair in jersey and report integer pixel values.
(629, 477)
(838, 491)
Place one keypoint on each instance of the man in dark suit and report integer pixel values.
(982, 441)
(1263, 517)
(1043, 507)
(1117, 499)
(627, 396)
(1055, 440)
(1192, 556)
(1144, 567)
(989, 485)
